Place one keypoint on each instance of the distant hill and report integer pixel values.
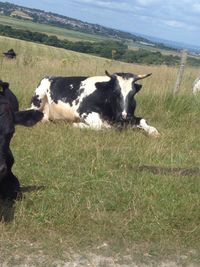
(41, 16)
(50, 18)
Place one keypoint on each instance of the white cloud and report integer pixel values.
(196, 7)
(179, 24)
(111, 5)
(147, 2)
(175, 23)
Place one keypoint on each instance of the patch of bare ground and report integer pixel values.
(33, 256)
(89, 260)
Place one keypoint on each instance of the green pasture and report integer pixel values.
(61, 33)
(88, 187)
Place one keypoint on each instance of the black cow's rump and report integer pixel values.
(9, 117)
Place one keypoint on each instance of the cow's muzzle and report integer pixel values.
(124, 115)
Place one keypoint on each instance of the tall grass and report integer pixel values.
(93, 190)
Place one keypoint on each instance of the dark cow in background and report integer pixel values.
(91, 102)
(10, 54)
(9, 117)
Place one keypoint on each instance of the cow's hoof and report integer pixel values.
(153, 132)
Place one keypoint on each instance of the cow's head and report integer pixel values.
(123, 90)
(8, 120)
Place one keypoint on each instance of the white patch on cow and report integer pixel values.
(71, 86)
(126, 87)
(196, 86)
(93, 121)
(41, 92)
(149, 129)
(125, 84)
(63, 111)
(124, 114)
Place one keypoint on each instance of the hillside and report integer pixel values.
(61, 21)
(41, 16)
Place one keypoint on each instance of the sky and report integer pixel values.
(174, 20)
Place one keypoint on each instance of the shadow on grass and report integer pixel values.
(170, 170)
(7, 207)
(32, 188)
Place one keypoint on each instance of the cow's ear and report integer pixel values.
(108, 74)
(3, 86)
(28, 117)
(137, 87)
(112, 77)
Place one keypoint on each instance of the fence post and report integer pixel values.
(180, 73)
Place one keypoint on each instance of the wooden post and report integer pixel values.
(180, 73)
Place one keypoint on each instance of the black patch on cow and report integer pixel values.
(36, 101)
(137, 87)
(102, 100)
(125, 75)
(66, 89)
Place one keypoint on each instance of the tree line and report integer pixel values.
(116, 50)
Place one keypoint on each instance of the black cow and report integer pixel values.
(9, 117)
(10, 54)
(91, 102)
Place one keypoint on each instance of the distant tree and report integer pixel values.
(110, 49)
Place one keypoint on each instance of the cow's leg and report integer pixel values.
(9, 187)
(152, 131)
(80, 125)
(93, 121)
(45, 112)
(9, 192)
(39, 100)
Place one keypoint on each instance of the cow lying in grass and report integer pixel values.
(92, 102)
(9, 117)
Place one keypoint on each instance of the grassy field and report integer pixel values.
(87, 189)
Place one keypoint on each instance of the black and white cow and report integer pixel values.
(9, 117)
(91, 102)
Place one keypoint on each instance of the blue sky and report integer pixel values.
(175, 20)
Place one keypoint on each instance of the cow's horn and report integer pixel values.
(139, 77)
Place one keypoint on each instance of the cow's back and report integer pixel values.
(65, 89)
